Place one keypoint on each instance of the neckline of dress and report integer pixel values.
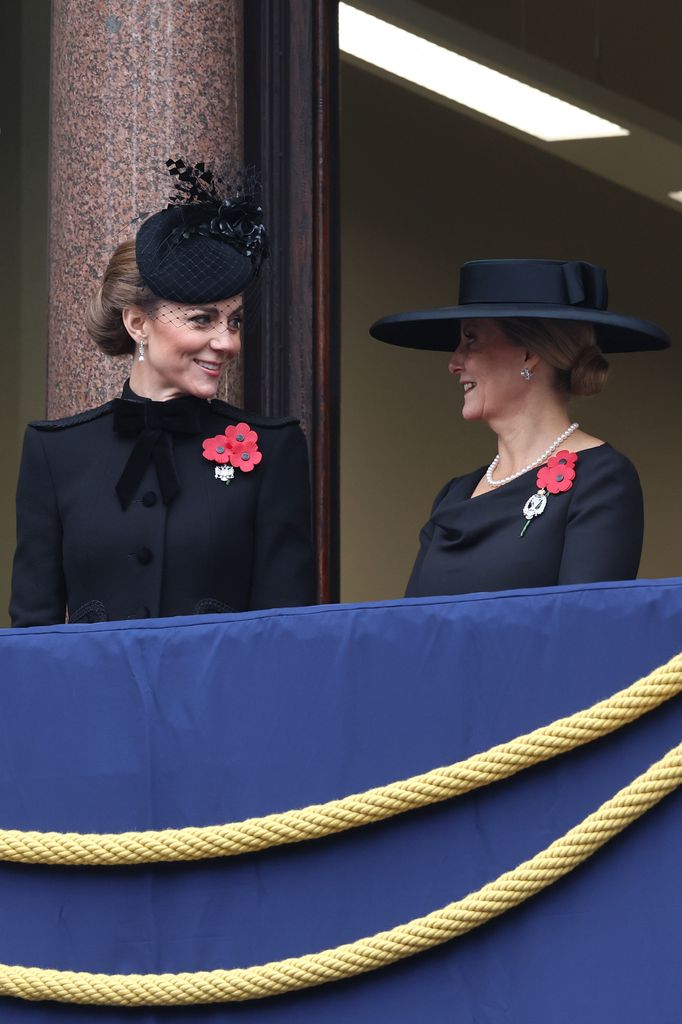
(503, 487)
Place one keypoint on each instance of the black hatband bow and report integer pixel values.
(153, 423)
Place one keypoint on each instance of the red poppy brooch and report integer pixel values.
(553, 478)
(237, 448)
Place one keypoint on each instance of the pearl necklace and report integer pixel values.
(532, 465)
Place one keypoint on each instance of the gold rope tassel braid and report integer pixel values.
(319, 820)
(368, 954)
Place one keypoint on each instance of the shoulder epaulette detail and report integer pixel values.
(225, 409)
(73, 421)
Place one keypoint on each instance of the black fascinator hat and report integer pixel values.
(209, 243)
(548, 289)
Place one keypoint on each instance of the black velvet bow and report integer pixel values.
(153, 423)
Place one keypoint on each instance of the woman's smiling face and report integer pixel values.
(489, 366)
(186, 348)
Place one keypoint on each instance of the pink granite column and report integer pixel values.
(133, 82)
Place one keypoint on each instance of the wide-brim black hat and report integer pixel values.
(549, 289)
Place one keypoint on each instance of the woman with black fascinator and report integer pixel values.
(556, 505)
(167, 501)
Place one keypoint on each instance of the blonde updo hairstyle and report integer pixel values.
(121, 286)
(570, 346)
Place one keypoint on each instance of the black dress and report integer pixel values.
(591, 532)
(212, 547)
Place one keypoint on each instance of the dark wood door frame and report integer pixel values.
(291, 135)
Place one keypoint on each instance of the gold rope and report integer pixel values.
(367, 954)
(378, 804)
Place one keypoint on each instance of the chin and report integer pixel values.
(471, 414)
(203, 389)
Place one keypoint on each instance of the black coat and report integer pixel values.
(215, 547)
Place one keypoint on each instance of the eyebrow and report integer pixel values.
(214, 309)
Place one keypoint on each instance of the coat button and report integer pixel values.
(149, 499)
(143, 554)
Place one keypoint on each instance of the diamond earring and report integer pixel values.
(526, 373)
(140, 358)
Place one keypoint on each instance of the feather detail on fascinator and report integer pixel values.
(209, 242)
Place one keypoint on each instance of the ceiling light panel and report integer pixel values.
(465, 81)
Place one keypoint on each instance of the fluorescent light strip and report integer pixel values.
(677, 196)
(465, 81)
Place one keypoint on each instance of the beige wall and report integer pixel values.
(23, 252)
(423, 190)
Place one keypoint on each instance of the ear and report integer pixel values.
(531, 360)
(135, 321)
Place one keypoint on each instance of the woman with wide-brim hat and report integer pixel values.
(166, 500)
(556, 505)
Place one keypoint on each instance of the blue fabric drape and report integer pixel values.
(109, 727)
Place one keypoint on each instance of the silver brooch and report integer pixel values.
(224, 473)
(535, 506)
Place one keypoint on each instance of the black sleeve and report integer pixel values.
(605, 524)
(283, 567)
(38, 587)
(425, 537)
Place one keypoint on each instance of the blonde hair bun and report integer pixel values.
(121, 287)
(569, 346)
(589, 372)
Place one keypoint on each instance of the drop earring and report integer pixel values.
(140, 358)
(526, 373)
